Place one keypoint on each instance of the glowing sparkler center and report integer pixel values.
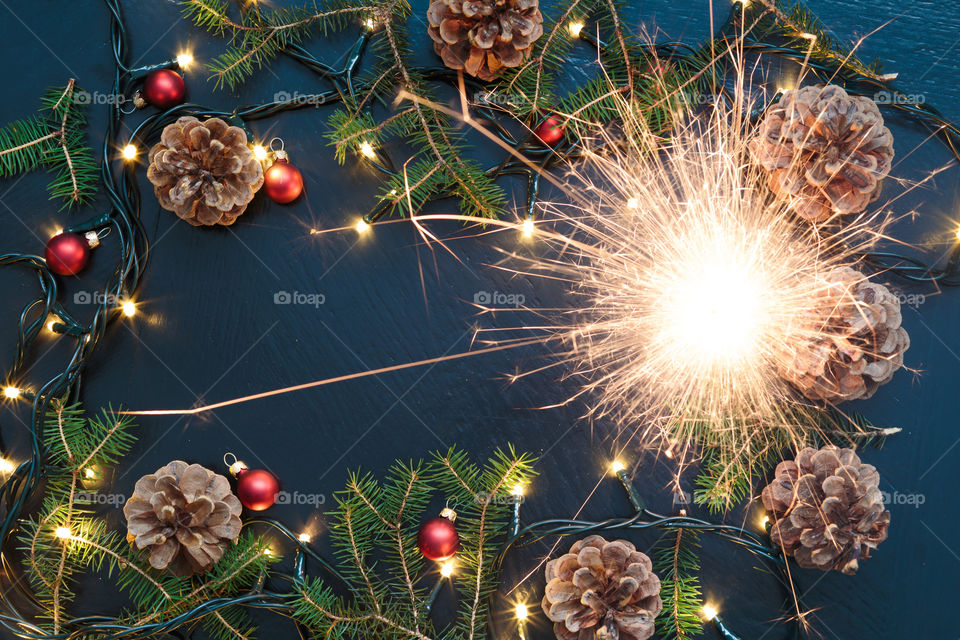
(716, 311)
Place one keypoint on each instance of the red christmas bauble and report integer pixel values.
(438, 539)
(550, 131)
(67, 253)
(164, 88)
(283, 182)
(257, 489)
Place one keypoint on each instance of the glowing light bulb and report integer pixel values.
(764, 522)
(367, 150)
(6, 466)
(362, 225)
(90, 473)
(521, 611)
(304, 537)
(446, 569)
(129, 308)
(575, 28)
(370, 24)
(518, 490)
(260, 152)
(617, 466)
(184, 60)
(11, 392)
(267, 551)
(527, 227)
(633, 203)
(709, 612)
(130, 152)
(958, 233)
(50, 324)
(63, 533)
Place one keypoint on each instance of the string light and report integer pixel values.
(50, 324)
(527, 228)
(764, 522)
(304, 537)
(362, 225)
(128, 308)
(63, 533)
(370, 24)
(958, 233)
(617, 466)
(633, 203)
(446, 569)
(575, 29)
(6, 466)
(260, 152)
(518, 490)
(89, 473)
(184, 60)
(709, 612)
(522, 612)
(367, 150)
(130, 152)
(11, 392)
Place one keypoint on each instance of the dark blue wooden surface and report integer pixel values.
(209, 327)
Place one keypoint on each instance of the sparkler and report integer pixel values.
(693, 282)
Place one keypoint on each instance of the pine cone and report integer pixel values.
(482, 36)
(204, 172)
(851, 344)
(186, 514)
(602, 591)
(826, 151)
(827, 509)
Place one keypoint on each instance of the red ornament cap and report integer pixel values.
(164, 88)
(550, 131)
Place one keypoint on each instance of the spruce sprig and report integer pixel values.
(55, 139)
(374, 533)
(676, 563)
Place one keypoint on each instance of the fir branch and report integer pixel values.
(56, 141)
(676, 563)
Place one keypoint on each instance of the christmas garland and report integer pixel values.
(66, 537)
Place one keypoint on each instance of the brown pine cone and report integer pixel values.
(204, 171)
(826, 151)
(827, 509)
(186, 515)
(483, 36)
(850, 344)
(602, 591)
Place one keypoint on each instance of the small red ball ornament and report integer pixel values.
(283, 181)
(550, 131)
(438, 538)
(68, 253)
(256, 488)
(164, 88)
